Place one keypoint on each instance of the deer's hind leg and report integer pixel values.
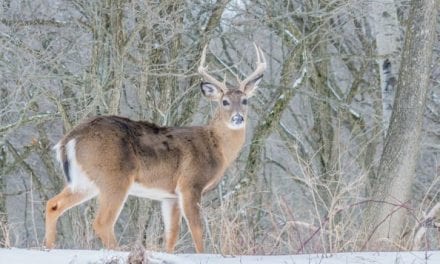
(110, 203)
(59, 204)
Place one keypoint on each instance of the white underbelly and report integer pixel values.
(151, 193)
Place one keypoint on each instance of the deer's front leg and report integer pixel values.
(171, 218)
(189, 199)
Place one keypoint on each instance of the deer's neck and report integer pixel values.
(231, 140)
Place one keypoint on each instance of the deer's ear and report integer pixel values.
(250, 87)
(211, 91)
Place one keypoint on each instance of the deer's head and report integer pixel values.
(233, 101)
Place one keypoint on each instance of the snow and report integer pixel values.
(59, 256)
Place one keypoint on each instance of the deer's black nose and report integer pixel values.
(237, 119)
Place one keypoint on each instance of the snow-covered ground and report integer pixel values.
(15, 255)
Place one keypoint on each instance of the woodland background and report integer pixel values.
(343, 140)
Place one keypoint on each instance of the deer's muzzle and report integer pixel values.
(237, 119)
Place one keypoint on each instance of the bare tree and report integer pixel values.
(385, 221)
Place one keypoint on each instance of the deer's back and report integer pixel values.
(143, 152)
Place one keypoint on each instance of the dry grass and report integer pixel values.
(138, 256)
(5, 240)
(271, 223)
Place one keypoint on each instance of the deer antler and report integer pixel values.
(261, 67)
(206, 76)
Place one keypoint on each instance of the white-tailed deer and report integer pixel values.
(112, 157)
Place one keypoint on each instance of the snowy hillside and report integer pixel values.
(13, 256)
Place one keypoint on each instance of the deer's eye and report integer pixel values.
(225, 102)
(244, 101)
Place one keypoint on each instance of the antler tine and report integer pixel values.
(262, 55)
(206, 76)
(257, 49)
(261, 67)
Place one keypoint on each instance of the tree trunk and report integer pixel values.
(386, 31)
(385, 219)
(267, 123)
(3, 211)
(117, 64)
